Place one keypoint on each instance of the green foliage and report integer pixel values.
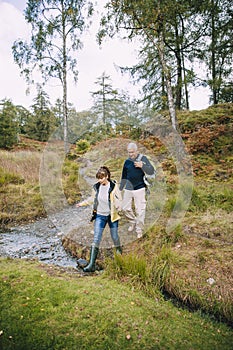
(9, 178)
(8, 124)
(148, 276)
(209, 197)
(172, 237)
(190, 121)
(99, 133)
(42, 121)
(219, 60)
(161, 266)
(174, 202)
(43, 50)
(23, 118)
(198, 202)
(81, 124)
(104, 99)
(131, 265)
(70, 180)
(82, 146)
(171, 38)
(226, 93)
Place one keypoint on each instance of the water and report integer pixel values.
(41, 239)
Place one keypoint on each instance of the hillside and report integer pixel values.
(194, 262)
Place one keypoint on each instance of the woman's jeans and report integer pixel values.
(100, 223)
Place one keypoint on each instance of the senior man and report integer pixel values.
(132, 181)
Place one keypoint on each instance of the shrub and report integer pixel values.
(7, 178)
(82, 146)
(161, 266)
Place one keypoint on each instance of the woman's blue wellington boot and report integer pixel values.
(93, 255)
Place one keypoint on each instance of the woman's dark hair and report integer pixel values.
(103, 172)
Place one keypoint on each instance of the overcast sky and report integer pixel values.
(92, 62)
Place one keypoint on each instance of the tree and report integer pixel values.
(116, 109)
(23, 118)
(8, 124)
(81, 123)
(216, 50)
(56, 29)
(127, 112)
(226, 93)
(104, 97)
(149, 71)
(147, 20)
(169, 32)
(57, 110)
(221, 48)
(42, 122)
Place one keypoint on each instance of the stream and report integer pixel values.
(42, 239)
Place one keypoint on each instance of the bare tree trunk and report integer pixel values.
(64, 82)
(213, 63)
(164, 94)
(65, 114)
(104, 102)
(171, 104)
(185, 85)
(179, 72)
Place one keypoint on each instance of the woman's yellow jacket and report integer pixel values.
(115, 200)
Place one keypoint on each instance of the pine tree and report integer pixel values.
(8, 124)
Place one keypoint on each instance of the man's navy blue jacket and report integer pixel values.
(132, 177)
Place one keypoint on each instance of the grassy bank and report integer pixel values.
(47, 308)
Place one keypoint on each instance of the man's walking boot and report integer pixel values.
(93, 255)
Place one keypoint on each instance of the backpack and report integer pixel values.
(148, 179)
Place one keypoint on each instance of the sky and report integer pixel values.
(93, 61)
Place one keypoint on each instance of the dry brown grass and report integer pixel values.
(214, 224)
(26, 164)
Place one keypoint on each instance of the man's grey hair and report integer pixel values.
(133, 146)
